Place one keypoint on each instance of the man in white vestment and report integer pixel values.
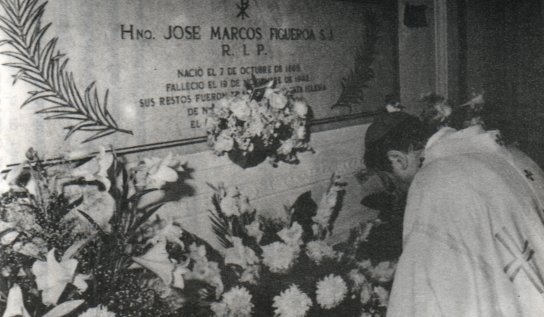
(473, 235)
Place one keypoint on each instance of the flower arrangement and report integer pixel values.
(286, 268)
(87, 240)
(265, 122)
(84, 240)
(438, 112)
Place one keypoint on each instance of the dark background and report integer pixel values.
(501, 51)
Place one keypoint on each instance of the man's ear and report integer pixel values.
(398, 159)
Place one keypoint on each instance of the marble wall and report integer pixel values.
(271, 188)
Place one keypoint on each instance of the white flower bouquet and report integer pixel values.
(83, 240)
(439, 112)
(286, 268)
(265, 122)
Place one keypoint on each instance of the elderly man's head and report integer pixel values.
(393, 144)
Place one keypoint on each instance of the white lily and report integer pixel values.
(7, 181)
(171, 232)
(161, 172)
(153, 173)
(7, 232)
(8, 238)
(15, 306)
(96, 169)
(64, 308)
(157, 261)
(99, 205)
(53, 276)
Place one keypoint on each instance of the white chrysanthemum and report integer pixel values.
(251, 274)
(366, 293)
(383, 295)
(277, 100)
(98, 311)
(328, 202)
(256, 127)
(241, 110)
(279, 257)
(253, 230)
(331, 290)
(318, 250)
(219, 309)
(223, 143)
(357, 278)
(230, 203)
(197, 252)
(384, 271)
(300, 107)
(365, 264)
(443, 111)
(301, 132)
(292, 303)
(286, 147)
(236, 303)
(293, 235)
(239, 254)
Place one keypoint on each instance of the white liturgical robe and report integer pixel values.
(473, 232)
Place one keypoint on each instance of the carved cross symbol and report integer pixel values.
(522, 257)
(529, 175)
(243, 6)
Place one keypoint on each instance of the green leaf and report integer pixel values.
(150, 211)
(212, 186)
(91, 221)
(135, 197)
(220, 228)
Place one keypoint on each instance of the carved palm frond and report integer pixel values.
(39, 66)
(356, 81)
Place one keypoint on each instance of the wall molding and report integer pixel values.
(317, 125)
(441, 48)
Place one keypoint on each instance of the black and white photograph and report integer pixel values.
(271, 158)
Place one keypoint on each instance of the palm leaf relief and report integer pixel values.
(44, 69)
(356, 81)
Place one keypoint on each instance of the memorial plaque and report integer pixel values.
(136, 74)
